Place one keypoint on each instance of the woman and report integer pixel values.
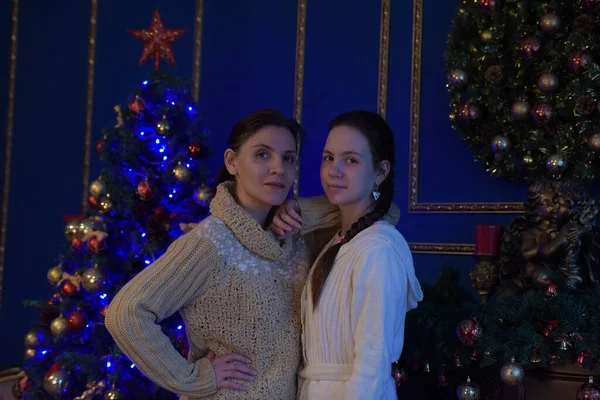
(237, 287)
(363, 282)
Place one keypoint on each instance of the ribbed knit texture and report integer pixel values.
(357, 330)
(238, 290)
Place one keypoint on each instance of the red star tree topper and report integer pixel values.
(157, 41)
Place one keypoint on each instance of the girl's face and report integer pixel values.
(347, 172)
(264, 167)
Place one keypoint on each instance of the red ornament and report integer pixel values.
(469, 112)
(530, 47)
(137, 105)
(99, 146)
(399, 376)
(157, 41)
(96, 245)
(591, 3)
(551, 290)
(580, 361)
(76, 244)
(579, 61)
(69, 289)
(549, 327)
(77, 321)
(195, 150)
(93, 201)
(588, 391)
(469, 332)
(145, 190)
(443, 379)
(489, 5)
(542, 113)
(55, 367)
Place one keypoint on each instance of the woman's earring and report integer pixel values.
(376, 193)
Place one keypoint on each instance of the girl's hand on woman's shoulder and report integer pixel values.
(287, 220)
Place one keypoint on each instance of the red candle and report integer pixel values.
(487, 239)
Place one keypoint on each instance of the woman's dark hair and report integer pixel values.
(381, 141)
(252, 123)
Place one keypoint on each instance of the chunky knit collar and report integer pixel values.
(245, 228)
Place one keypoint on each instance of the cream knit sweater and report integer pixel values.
(238, 289)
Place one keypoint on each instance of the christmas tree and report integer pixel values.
(152, 188)
(524, 86)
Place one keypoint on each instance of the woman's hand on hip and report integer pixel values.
(232, 366)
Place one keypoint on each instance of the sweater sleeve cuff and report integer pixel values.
(317, 213)
(207, 381)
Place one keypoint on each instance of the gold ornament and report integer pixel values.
(520, 110)
(203, 195)
(468, 391)
(93, 280)
(30, 353)
(72, 230)
(163, 127)
(59, 326)
(54, 274)
(56, 383)
(556, 163)
(92, 390)
(550, 23)
(97, 188)
(92, 224)
(500, 143)
(182, 173)
(486, 36)
(113, 394)
(512, 373)
(548, 82)
(534, 357)
(527, 159)
(33, 338)
(594, 142)
(457, 78)
(106, 205)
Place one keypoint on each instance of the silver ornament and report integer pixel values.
(56, 383)
(92, 224)
(203, 195)
(556, 163)
(594, 142)
(106, 205)
(163, 127)
(93, 280)
(512, 373)
(550, 22)
(548, 82)
(468, 391)
(182, 173)
(97, 188)
(457, 78)
(72, 230)
(500, 143)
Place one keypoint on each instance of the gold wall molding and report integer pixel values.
(384, 51)
(442, 248)
(10, 115)
(89, 108)
(299, 76)
(414, 205)
(198, 24)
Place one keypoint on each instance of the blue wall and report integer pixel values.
(248, 61)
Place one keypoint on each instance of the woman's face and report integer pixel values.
(347, 172)
(264, 167)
